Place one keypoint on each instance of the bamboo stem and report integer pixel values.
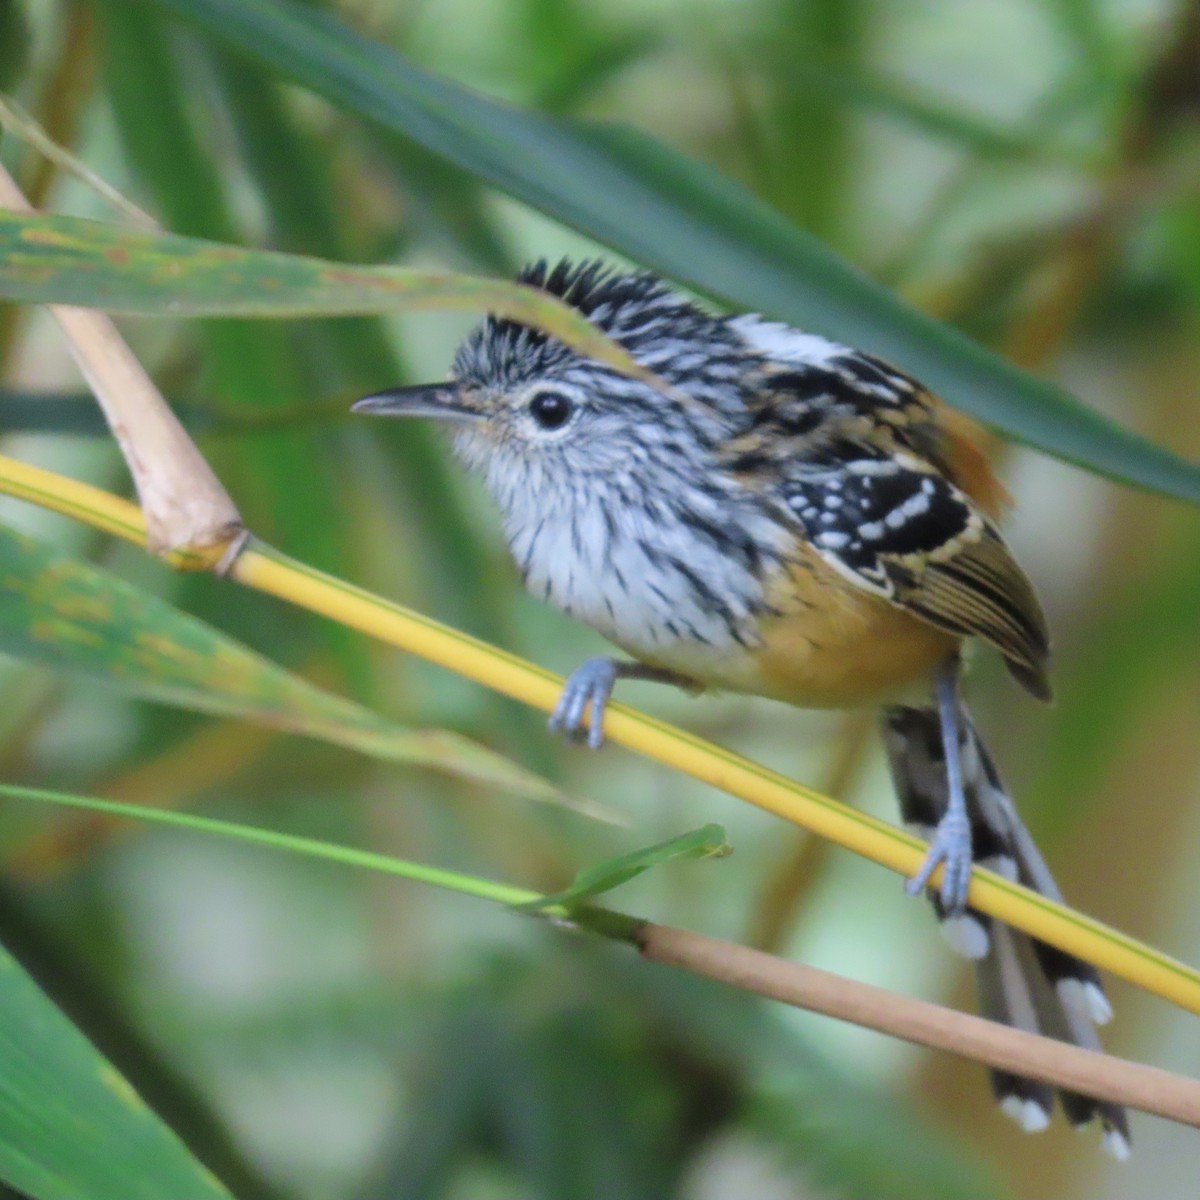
(1088, 1072)
(267, 570)
(185, 504)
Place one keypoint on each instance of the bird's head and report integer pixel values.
(532, 414)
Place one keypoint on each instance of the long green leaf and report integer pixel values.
(95, 264)
(676, 215)
(708, 842)
(71, 1127)
(611, 924)
(454, 881)
(70, 615)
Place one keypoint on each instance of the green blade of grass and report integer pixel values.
(702, 843)
(708, 842)
(676, 215)
(454, 881)
(71, 1127)
(72, 616)
(95, 264)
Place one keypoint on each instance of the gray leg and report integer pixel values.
(952, 840)
(593, 683)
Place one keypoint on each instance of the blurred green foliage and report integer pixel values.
(1024, 171)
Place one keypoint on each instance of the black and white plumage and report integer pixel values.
(1022, 982)
(794, 519)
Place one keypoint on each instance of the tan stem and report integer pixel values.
(185, 506)
(1057, 1063)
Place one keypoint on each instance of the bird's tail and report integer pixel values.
(1022, 982)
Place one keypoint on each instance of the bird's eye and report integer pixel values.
(551, 410)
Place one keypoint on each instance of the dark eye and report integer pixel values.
(551, 410)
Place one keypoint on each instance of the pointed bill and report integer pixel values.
(443, 401)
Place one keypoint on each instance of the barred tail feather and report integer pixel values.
(1022, 982)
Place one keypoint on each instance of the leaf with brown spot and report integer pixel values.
(96, 264)
(70, 615)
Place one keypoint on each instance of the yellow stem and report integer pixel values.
(267, 570)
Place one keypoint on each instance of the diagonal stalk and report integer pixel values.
(267, 570)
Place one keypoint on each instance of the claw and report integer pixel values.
(592, 683)
(951, 845)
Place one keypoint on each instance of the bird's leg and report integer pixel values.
(593, 683)
(951, 842)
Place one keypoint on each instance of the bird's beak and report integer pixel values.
(441, 400)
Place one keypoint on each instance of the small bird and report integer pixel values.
(790, 518)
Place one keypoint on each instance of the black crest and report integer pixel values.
(593, 287)
(636, 309)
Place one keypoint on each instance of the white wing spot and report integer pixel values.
(867, 467)
(914, 506)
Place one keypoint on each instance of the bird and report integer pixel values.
(787, 517)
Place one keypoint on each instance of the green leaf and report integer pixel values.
(70, 615)
(708, 842)
(676, 215)
(610, 924)
(71, 1127)
(453, 881)
(95, 264)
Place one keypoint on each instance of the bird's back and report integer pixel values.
(891, 493)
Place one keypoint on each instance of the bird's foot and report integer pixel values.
(951, 845)
(592, 683)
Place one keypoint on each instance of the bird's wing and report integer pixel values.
(855, 452)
